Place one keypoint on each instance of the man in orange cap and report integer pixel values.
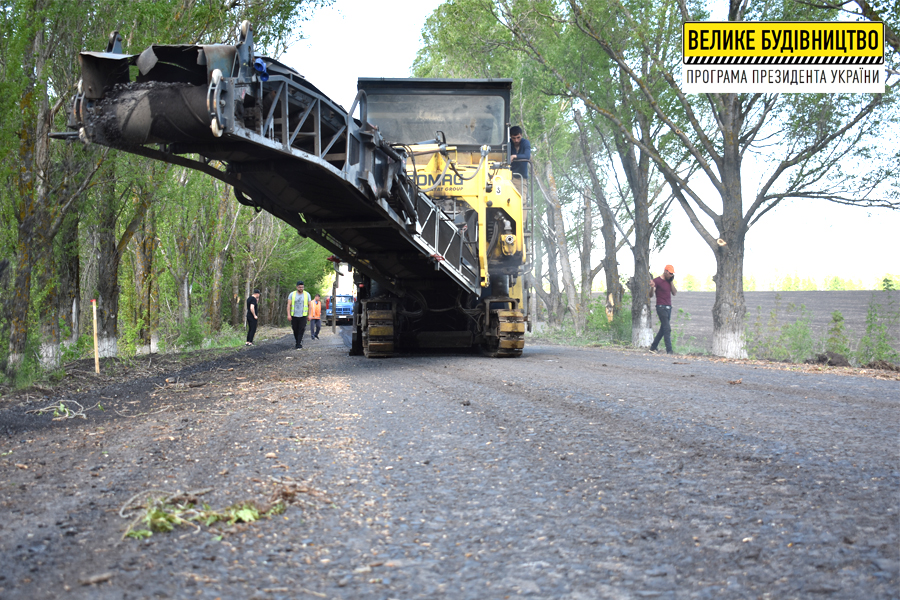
(664, 288)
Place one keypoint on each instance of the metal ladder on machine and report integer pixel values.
(528, 219)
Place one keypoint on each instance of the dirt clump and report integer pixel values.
(883, 365)
(831, 359)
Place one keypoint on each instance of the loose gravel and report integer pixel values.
(567, 473)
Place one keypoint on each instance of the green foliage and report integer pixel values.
(600, 330)
(770, 339)
(794, 284)
(30, 370)
(689, 283)
(190, 334)
(749, 284)
(661, 235)
(129, 335)
(47, 37)
(82, 347)
(139, 534)
(797, 338)
(761, 338)
(890, 282)
(162, 515)
(681, 341)
(832, 283)
(877, 343)
(227, 337)
(276, 23)
(837, 340)
(62, 411)
(835, 283)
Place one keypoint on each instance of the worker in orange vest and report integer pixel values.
(315, 318)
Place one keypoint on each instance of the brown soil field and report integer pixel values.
(853, 305)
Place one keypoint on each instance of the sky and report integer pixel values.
(809, 239)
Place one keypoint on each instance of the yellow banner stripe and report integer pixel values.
(782, 39)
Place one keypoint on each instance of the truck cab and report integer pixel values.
(343, 309)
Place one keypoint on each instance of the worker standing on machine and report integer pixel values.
(298, 311)
(520, 155)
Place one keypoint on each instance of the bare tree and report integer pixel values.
(546, 181)
(263, 233)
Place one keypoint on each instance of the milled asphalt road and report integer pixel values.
(567, 473)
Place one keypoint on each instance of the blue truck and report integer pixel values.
(344, 304)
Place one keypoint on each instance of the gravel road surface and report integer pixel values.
(567, 473)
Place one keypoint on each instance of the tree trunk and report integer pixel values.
(247, 290)
(179, 270)
(107, 273)
(214, 313)
(641, 309)
(226, 224)
(613, 298)
(32, 209)
(555, 307)
(729, 308)
(552, 197)
(637, 172)
(28, 213)
(611, 269)
(108, 302)
(69, 279)
(35, 40)
(641, 315)
(538, 278)
(532, 300)
(614, 290)
(184, 297)
(111, 250)
(147, 313)
(235, 296)
(21, 300)
(48, 317)
(587, 245)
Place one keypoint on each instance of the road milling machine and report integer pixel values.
(416, 192)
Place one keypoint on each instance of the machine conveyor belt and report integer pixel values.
(284, 147)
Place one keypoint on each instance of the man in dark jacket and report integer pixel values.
(520, 154)
(252, 316)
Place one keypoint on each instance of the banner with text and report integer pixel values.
(732, 57)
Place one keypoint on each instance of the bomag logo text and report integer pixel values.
(424, 180)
